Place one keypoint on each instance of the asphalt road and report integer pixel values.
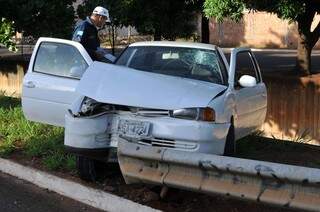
(269, 59)
(20, 196)
(281, 60)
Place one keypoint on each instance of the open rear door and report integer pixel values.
(49, 85)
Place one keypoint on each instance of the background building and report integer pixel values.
(259, 29)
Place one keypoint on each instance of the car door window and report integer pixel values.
(245, 65)
(60, 60)
(223, 69)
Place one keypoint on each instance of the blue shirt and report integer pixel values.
(87, 34)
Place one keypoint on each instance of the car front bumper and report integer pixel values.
(101, 132)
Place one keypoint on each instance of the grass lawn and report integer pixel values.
(33, 140)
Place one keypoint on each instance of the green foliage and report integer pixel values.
(53, 161)
(118, 10)
(224, 8)
(167, 19)
(32, 139)
(42, 144)
(299, 11)
(58, 159)
(164, 19)
(50, 18)
(285, 9)
(70, 163)
(6, 34)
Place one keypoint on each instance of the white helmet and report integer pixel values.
(102, 11)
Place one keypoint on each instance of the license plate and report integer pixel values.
(133, 128)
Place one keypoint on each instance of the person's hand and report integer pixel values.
(110, 58)
(103, 56)
(100, 53)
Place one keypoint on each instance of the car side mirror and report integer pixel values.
(247, 81)
(76, 72)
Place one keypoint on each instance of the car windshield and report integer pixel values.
(193, 63)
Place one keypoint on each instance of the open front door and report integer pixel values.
(49, 85)
(250, 100)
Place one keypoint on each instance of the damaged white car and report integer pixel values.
(183, 96)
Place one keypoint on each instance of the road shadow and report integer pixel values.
(9, 102)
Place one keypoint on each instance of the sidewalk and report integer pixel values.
(86, 195)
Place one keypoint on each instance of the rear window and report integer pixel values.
(193, 63)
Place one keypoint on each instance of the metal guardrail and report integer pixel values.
(277, 184)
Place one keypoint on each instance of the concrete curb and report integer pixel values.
(73, 190)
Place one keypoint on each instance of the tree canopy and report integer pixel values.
(162, 19)
(50, 18)
(118, 10)
(300, 11)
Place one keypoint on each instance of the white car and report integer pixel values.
(183, 96)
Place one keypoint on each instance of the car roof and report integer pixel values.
(175, 44)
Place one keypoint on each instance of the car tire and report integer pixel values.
(230, 147)
(89, 169)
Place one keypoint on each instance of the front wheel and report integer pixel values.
(89, 169)
(230, 147)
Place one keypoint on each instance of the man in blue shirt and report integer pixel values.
(86, 32)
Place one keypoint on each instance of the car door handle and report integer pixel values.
(29, 84)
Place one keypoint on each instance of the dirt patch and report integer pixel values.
(278, 151)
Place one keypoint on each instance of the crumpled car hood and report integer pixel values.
(125, 86)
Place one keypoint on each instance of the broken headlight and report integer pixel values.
(88, 105)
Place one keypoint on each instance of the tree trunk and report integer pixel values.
(303, 62)
(157, 35)
(307, 39)
(205, 30)
(113, 39)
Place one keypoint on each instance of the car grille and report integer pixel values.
(167, 143)
(151, 112)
